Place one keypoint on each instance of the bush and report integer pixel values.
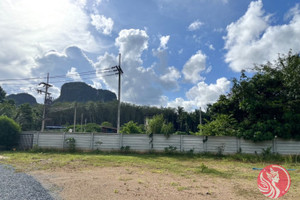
(90, 127)
(131, 128)
(9, 132)
(71, 144)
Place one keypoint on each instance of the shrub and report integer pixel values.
(131, 128)
(71, 144)
(170, 150)
(9, 132)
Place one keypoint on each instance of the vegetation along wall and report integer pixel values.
(143, 143)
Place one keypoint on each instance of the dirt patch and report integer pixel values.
(3, 157)
(135, 183)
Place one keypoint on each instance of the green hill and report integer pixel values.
(82, 92)
(22, 98)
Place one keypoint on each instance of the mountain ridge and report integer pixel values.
(82, 92)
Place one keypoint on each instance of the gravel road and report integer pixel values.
(20, 186)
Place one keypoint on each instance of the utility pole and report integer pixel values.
(74, 128)
(200, 121)
(120, 72)
(47, 99)
(81, 122)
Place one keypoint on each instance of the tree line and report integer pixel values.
(259, 106)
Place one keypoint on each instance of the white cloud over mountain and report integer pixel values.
(73, 74)
(29, 29)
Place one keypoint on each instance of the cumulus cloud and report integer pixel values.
(102, 24)
(202, 94)
(252, 40)
(195, 25)
(194, 66)
(170, 79)
(26, 34)
(60, 62)
(73, 74)
(163, 42)
(132, 42)
(139, 84)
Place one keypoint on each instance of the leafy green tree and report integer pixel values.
(106, 124)
(267, 104)
(167, 129)
(25, 117)
(155, 124)
(2, 94)
(9, 132)
(8, 108)
(131, 127)
(222, 125)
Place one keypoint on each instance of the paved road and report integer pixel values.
(20, 186)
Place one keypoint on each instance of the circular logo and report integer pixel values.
(274, 181)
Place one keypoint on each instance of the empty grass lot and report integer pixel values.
(102, 175)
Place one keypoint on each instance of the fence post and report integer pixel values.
(151, 141)
(121, 140)
(37, 139)
(181, 142)
(63, 141)
(92, 142)
(238, 145)
(274, 144)
(205, 138)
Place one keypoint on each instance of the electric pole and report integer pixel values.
(75, 112)
(120, 72)
(81, 122)
(47, 99)
(200, 122)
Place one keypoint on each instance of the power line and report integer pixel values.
(100, 71)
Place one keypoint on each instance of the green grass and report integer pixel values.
(238, 166)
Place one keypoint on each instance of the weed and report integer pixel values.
(220, 150)
(71, 144)
(174, 184)
(181, 188)
(204, 169)
(170, 150)
(125, 149)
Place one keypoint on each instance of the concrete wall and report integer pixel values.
(142, 142)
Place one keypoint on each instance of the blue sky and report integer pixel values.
(174, 52)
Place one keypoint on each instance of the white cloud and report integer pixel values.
(187, 105)
(252, 40)
(170, 79)
(195, 25)
(140, 85)
(30, 28)
(102, 24)
(163, 42)
(59, 63)
(211, 47)
(194, 66)
(202, 94)
(132, 43)
(73, 74)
